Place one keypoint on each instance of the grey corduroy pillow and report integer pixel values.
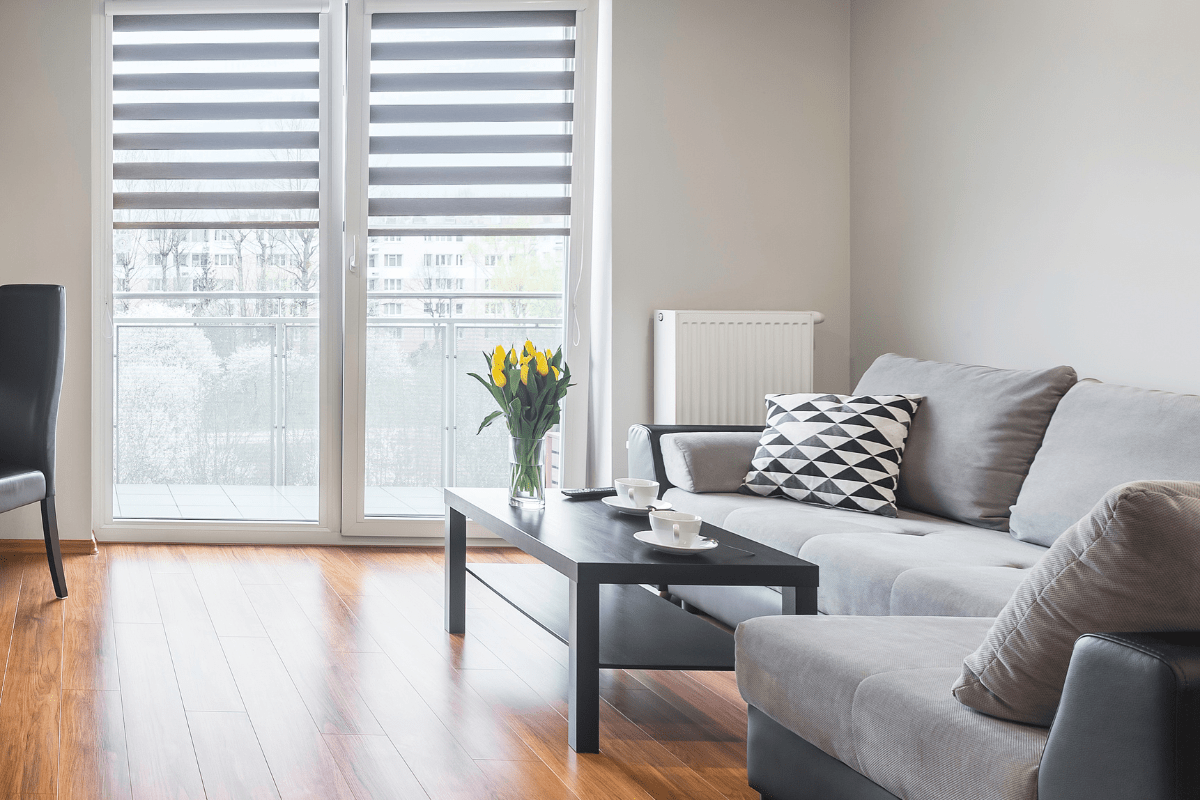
(1132, 564)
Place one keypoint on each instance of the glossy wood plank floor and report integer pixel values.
(286, 672)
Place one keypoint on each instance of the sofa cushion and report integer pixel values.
(1132, 564)
(803, 671)
(833, 450)
(957, 591)
(732, 605)
(914, 740)
(975, 436)
(1102, 436)
(859, 571)
(786, 525)
(717, 506)
(708, 461)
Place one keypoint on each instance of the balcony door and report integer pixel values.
(461, 172)
(223, 212)
(313, 219)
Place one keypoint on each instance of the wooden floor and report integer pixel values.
(280, 672)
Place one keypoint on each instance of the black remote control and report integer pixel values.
(589, 494)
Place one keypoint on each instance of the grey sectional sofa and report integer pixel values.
(856, 703)
(1020, 455)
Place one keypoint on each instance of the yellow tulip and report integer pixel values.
(555, 372)
(512, 357)
(525, 372)
(543, 366)
(529, 348)
(498, 377)
(549, 354)
(498, 358)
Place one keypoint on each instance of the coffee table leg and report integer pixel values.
(799, 599)
(584, 694)
(456, 571)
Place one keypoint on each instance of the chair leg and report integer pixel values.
(53, 553)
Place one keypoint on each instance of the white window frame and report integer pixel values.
(575, 300)
(332, 125)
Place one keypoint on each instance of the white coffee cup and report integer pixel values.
(636, 492)
(676, 527)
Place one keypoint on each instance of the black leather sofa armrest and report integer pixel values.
(645, 448)
(1128, 725)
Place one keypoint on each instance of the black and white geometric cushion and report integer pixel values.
(833, 450)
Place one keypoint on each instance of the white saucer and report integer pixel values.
(651, 538)
(613, 502)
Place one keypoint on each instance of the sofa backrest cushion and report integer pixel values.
(1103, 435)
(708, 461)
(975, 436)
(1132, 564)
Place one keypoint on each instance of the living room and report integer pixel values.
(1005, 184)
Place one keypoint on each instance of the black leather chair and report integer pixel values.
(33, 324)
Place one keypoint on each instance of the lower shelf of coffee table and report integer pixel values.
(638, 629)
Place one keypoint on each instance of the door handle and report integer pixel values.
(353, 263)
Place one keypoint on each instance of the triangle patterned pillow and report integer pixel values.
(833, 450)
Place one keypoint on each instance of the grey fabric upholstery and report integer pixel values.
(913, 739)
(864, 558)
(717, 507)
(951, 591)
(859, 571)
(975, 435)
(708, 461)
(1102, 436)
(786, 525)
(804, 671)
(1132, 564)
(957, 591)
(640, 453)
(874, 693)
(732, 605)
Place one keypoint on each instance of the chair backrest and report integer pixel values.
(33, 326)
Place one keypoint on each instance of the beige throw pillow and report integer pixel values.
(1132, 564)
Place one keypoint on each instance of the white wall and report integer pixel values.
(45, 216)
(730, 174)
(1026, 185)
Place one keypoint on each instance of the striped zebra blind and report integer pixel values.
(216, 121)
(470, 128)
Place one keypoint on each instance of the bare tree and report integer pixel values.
(126, 263)
(300, 247)
(238, 236)
(165, 243)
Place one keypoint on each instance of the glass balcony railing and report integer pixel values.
(215, 399)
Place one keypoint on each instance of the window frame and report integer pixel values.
(576, 295)
(332, 186)
(344, 37)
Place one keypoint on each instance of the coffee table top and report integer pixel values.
(585, 539)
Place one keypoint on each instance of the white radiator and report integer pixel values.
(714, 367)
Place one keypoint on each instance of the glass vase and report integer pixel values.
(527, 483)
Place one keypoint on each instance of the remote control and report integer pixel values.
(589, 494)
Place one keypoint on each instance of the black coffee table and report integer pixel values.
(586, 591)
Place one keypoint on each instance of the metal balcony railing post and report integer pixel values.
(279, 408)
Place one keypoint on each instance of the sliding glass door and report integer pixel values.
(316, 218)
(462, 217)
(219, 158)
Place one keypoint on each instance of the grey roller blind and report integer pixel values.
(216, 121)
(471, 120)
